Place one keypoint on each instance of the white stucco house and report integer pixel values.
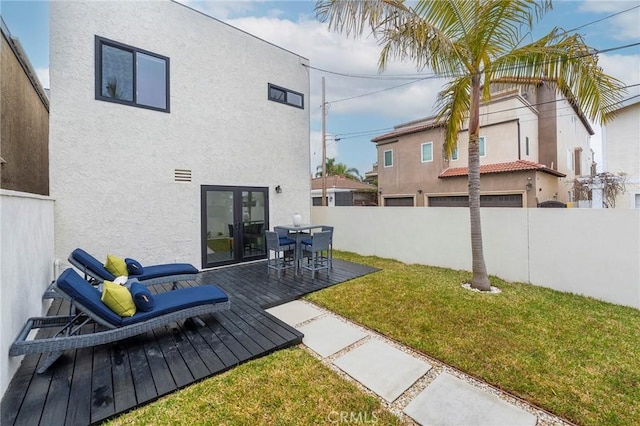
(621, 150)
(169, 132)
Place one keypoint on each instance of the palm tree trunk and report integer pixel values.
(480, 278)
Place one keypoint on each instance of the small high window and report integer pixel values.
(483, 146)
(388, 158)
(131, 76)
(286, 96)
(427, 152)
(454, 154)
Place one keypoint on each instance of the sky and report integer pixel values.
(364, 102)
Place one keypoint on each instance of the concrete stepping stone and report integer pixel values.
(328, 335)
(449, 400)
(385, 370)
(295, 312)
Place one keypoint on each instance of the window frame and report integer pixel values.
(526, 145)
(482, 143)
(422, 152)
(384, 158)
(286, 93)
(570, 160)
(102, 41)
(454, 153)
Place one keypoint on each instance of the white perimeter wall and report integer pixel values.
(585, 251)
(112, 165)
(26, 267)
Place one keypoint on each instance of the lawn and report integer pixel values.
(289, 387)
(574, 356)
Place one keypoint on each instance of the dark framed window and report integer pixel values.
(286, 96)
(131, 76)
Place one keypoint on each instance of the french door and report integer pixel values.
(234, 219)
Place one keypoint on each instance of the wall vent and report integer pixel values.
(182, 175)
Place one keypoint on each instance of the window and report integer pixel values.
(454, 154)
(286, 96)
(131, 76)
(388, 158)
(526, 145)
(483, 149)
(577, 161)
(637, 201)
(427, 152)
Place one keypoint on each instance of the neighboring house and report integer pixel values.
(170, 131)
(342, 191)
(372, 175)
(533, 145)
(26, 211)
(24, 122)
(621, 150)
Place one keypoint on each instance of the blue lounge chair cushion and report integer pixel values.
(133, 266)
(142, 297)
(155, 271)
(85, 294)
(92, 263)
(149, 272)
(285, 241)
(307, 242)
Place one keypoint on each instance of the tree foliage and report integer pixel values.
(473, 43)
(339, 169)
(612, 185)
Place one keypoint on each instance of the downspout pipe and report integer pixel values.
(519, 148)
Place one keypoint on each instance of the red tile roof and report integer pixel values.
(341, 182)
(513, 166)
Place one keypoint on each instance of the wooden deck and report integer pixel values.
(93, 384)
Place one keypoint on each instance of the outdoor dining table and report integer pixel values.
(300, 231)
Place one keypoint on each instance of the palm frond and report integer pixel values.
(452, 109)
(568, 63)
(354, 17)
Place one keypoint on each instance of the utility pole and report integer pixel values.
(324, 148)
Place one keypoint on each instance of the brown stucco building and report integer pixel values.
(24, 121)
(533, 145)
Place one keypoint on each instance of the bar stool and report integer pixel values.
(283, 252)
(316, 252)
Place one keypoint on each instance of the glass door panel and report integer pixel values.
(233, 223)
(219, 227)
(253, 221)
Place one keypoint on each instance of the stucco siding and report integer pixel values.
(622, 148)
(26, 267)
(113, 165)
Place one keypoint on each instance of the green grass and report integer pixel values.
(574, 356)
(289, 387)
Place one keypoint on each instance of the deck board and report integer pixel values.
(90, 385)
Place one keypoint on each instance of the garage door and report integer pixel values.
(502, 200)
(398, 202)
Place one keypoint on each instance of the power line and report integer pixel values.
(363, 133)
(378, 91)
(372, 76)
(602, 19)
(417, 75)
(595, 52)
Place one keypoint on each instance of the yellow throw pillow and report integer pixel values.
(118, 299)
(116, 266)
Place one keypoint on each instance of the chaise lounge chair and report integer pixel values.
(93, 269)
(88, 309)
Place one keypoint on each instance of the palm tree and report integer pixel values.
(473, 43)
(339, 169)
